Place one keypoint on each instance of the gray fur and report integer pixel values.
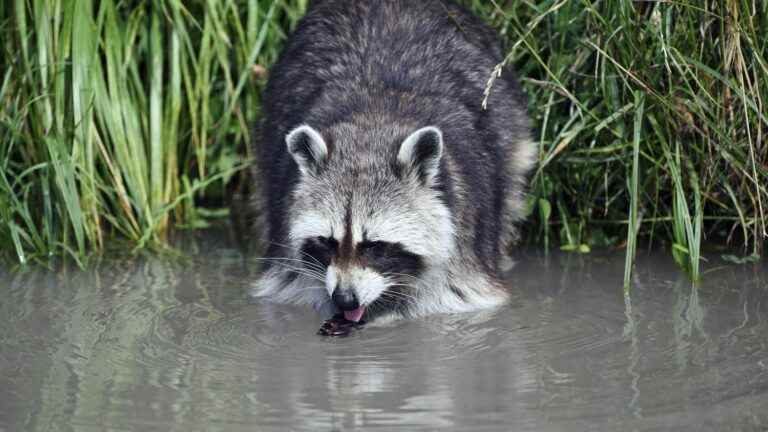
(343, 155)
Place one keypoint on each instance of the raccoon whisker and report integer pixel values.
(310, 265)
(299, 251)
(378, 305)
(302, 271)
(403, 275)
(403, 297)
(400, 292)
(308, 275)
(398, 295)
(319, 270)
(384, 301)
(394, 302)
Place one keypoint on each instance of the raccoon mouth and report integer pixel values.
(354, 315)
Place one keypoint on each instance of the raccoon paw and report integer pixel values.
(338, 326)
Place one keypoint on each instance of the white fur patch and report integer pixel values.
(308, 225)
(368, 284)
(525, 157)
(428, 232)
(331, 279)
(435, 296)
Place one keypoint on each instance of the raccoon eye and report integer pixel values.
(318, 250)
(328, 242)
(390, 258)
(375, 249)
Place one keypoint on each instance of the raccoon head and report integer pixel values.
(368, 219)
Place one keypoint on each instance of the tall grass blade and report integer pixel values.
(634, 195)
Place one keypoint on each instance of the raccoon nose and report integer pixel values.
(346, 300)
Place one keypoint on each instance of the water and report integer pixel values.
(158, 344)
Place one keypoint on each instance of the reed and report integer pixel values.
(651, 118)
(118, 116)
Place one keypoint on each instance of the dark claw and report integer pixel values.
(338, 326)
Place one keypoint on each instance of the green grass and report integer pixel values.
(652, 121)
(120, 118)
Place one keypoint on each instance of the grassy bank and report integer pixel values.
(118, 116)
(652, 121)
(121, 118)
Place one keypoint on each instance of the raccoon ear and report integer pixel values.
(421, 152)
(307, 147)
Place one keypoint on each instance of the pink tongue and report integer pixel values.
(354, 315)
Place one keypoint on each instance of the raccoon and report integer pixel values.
(388, 188)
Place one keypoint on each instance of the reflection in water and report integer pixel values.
(155, 344)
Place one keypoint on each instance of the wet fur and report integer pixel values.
(366, 74)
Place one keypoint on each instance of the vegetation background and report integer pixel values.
(129, 119)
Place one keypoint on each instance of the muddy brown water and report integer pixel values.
(155, 344)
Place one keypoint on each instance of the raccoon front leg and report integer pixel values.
(460, 289)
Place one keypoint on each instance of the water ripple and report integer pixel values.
(152, 344)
